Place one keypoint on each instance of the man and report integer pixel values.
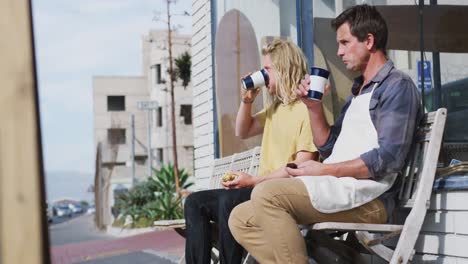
(364, 151)
(286, 138)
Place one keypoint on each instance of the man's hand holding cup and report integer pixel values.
(313, 87)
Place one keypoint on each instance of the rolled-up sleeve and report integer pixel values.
(335, 130)
(397, 115)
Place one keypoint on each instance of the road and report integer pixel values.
(78, 241)
(74, 230)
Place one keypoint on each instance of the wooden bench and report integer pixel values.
(414, 195)
(247, 161)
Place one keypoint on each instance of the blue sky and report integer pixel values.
(74, 41)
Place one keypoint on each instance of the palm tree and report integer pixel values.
(184, 68)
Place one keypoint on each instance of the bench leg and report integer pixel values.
(214, 256)
(378, 249)
(182, 259)
(324, 249)
(249, 259)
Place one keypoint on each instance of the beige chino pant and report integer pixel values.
(266, 226)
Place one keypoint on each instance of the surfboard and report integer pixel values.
(236, 54)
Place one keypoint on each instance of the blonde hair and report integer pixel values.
(290, 64)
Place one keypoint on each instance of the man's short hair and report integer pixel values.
(364, 19)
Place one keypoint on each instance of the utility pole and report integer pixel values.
(172, 77)
(132, 124)
(148, 106)
(150, 155)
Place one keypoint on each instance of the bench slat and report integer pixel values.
(384, 228)
(176, 223)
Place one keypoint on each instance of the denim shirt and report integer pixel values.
(395, 111)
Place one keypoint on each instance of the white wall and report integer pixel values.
(202, 91)
(444, 234)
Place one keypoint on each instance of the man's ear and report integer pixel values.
(370, 41)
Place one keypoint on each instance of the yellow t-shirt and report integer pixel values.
(286, 131)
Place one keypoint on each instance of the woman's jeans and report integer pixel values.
(212, 205)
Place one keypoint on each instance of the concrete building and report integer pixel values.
(115, 101)
(155, 68)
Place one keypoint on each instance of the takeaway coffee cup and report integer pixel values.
(318, 80)
(255, 80)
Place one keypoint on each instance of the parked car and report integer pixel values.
(91, 209)
(75, 208)
(50, 213)
(63, 210)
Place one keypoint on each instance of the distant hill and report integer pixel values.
(68, 184)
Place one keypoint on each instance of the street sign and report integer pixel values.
(427, 75)
(147, 105)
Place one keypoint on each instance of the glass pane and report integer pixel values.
(242, 31)
(445, 58)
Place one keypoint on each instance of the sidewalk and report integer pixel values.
(167, 244)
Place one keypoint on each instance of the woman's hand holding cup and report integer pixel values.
(248, 95)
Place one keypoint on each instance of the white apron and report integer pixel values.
(330, 194)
